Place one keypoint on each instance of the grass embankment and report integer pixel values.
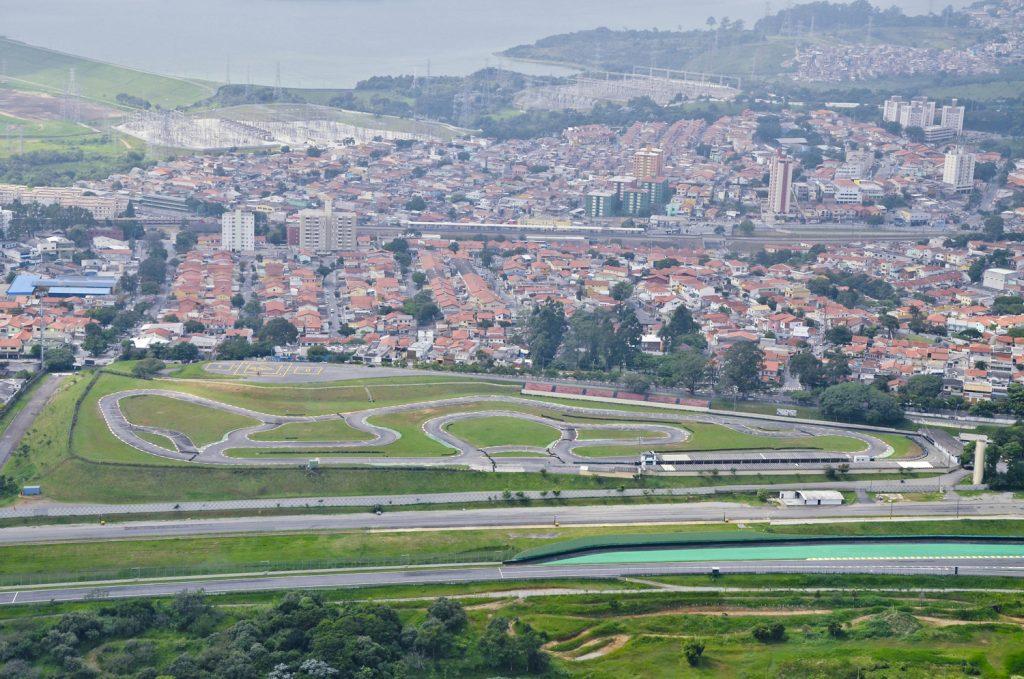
(127, 558)
(201, 424)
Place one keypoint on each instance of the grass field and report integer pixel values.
(100, 468)
(485, 432)
(327, 430)
(707, 436)
(202, 425)
(48, 69)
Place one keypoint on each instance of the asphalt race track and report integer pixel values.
(560, 456)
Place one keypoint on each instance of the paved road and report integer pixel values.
(27, 415)
(510, 517)
(562, 458)
(514, 574)
(944, 482)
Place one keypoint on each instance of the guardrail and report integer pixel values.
(170, 572)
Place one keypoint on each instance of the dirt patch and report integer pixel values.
(744, 612)
(490, 606)
(40, 106)
(616, 642)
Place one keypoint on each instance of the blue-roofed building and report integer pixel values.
(68, 286)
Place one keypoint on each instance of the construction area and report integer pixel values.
(662, 86)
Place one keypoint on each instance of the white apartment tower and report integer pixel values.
(238, 231)
(780, 185)
(891, 110)
(918, 112)
(952, 117)
(324, 231)
(958, 170)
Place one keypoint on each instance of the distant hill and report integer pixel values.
(30, 67)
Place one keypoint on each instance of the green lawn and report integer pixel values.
(201, 424)
(156, 439)
(902, 446)
(326, 430)
(584, 434)
(708, 436)
(484, 432)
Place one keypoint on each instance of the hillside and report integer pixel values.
(38, 68)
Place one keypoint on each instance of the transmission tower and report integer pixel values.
(71, 104)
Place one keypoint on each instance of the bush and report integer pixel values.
(693, 649)
(769, 634)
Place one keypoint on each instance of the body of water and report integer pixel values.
(335, 43)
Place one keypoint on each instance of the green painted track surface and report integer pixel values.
(910, 550)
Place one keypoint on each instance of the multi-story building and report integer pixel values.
(602, 204)
(918, 112)
(780, 185)
(648, 163)
(238, 231)
(326, 230)
(958, 170)
(952, 117)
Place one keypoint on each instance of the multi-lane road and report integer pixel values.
(510, 517)
(512, 575)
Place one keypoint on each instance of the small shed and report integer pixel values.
(799, 498)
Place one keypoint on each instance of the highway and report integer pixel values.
(513, 575)
(510, 517)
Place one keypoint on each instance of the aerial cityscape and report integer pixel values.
(693, 350)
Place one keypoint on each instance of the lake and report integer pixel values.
(334, 43)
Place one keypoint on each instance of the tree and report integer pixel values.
(637, 384)
(680, 324)
(746, 227)
(806, 367)
(185, 241)
(838, 334)
(278, 332)
(993, 227)
(922, 391)
(185, 352)
(422, 307)
(419, 279)
(544, 332)
(860, 403)
(234, 349)
(621, 291)
(693, 649)
(416, 204)
(689, 369)
(890, 323)
(59, 359)
(741, 367)
(147, 367)
(193, 326)
(96, 340)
